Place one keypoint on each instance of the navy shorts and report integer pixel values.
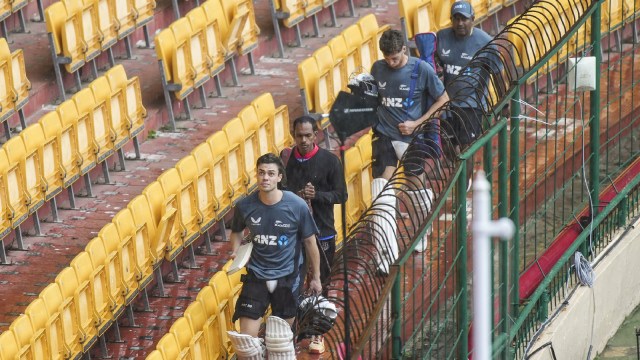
(383, 154)
(255, 298)
(462, 125)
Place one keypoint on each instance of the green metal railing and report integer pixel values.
(553, 165)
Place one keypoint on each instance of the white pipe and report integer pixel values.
(483, 229)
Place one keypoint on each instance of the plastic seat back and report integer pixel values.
(353, 41)
(81, 294)
(339, 54)
(216, 319)
(125, 16)
(17, 198)
(52, 299)
(201, 327)
(164, 211)
(130, 87)
(170, 183)
(210, 205)
(106, 22)
(100, 256)
(59, 299)
(238, 178)
(145, 228)
(144, 10)
(23, 331)
(72, 161)
(352, 179)
(95, 280)
(30, 165)
(326, 89)
(224, 296)
(40, 341)
(278, 121)
(208, 32)
(8, 96)
(138, 250)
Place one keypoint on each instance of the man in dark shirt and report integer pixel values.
(316, 175)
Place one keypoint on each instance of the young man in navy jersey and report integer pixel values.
(280, 227)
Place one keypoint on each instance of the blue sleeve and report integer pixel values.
(433, 85)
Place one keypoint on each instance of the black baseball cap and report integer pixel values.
(463, 8)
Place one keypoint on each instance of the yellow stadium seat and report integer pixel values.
(87, 15)
(240, 169)
(106, 24)
(115, 107)
(481, 9)
(125, 17)
(30, 166)
(183, 334)
(183, 64)
(233, 37)
(371, 32)
(23, 331)
(190, 216)
(353, 40)
(325, 64)
(154, 355)
(8, 96)
(146, 230)
(352, 178)
(94, 118)
(76, 132)
(341, 72)
(143, 11)
(139, 251)
(42, 161)
(120, 252)
(442, 10)
(216, 319)
(65, 34)
(308, 75)
(6, 212)
(165, 212)
(17, 199)
(277, 121)
(40, 341)
(61, 148)
(212, 45)
(135, 110)
(51, 298)
(364, 147)
(294, 9)
(175, 69)
(248, 34)
(94, 279)
(214, 12)
(200, 59)
(424, 18)
(188, 170)
(78, 305)
(227, 167)
(60, 306)
(21, 85)
(9, 346)
(107, 269)
(253, 129)
(224, 296)
(169, 347)
(200, 324)
(312, 7)
(213, 201)
(337, 222)
(171, 184)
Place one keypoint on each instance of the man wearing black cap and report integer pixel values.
(455, 48)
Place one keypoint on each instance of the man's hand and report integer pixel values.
(407, 127)
(309, 192)
(315, 286)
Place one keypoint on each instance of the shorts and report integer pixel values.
(383, 154)
(462, 125)
(255, 298)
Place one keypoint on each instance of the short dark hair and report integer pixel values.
(391, 42)
(305, 119)
(271, 158)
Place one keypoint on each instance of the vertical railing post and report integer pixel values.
(396, 311)
(463, 273)
(594, 113)
(514, 198)
(503, 211)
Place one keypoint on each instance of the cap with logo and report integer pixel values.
(463, 8)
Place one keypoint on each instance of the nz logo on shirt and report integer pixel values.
(382, 85)
(256, 221)
(445, 52)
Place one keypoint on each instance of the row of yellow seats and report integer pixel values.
(329, 69)
(419, 16)
(193, 49)
(118, 264)
(294, 11)
(14, 85)
(67, 143)
(11, 7)
(202, 332)
(79, 30)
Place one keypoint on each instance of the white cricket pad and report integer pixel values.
(279, 339)
(422, 201)
(247, 347)
(385, 228)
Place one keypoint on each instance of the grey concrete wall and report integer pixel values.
(615, 293)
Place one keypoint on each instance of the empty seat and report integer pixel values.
(325, 63)
(353, 40)
(206, 330)
(174, 69)
(16, 197)
(18, 79)
(210, 189)
(169, 347)
(341, 72)
(187, 199)
(137, 251)
(171, 183)
(352, 178)
(364, 147)
(247, 30)
(130, 88)
(94, 122)
(94, 279)
(200, 59)
(214, 12)
(424, 18)
(371, 32)
(86, 18)
(121, 251)
(41, 341)
(8, 95)
(146, 228)
(62, 318)
(183, 334)
(106, 24)
(65, 35)
(258, 128)
(115, 108)
(213, 49)
(277, 121)
(227, 161)
(78, 305)
(102, 259)
(23, 331)
(165, 212)
(143, 11)
(216, 319)
(77, 134)
(224, 296)
(124, 11)
(44, 156)
(30, 165)
(238, 176)
(206, 205)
